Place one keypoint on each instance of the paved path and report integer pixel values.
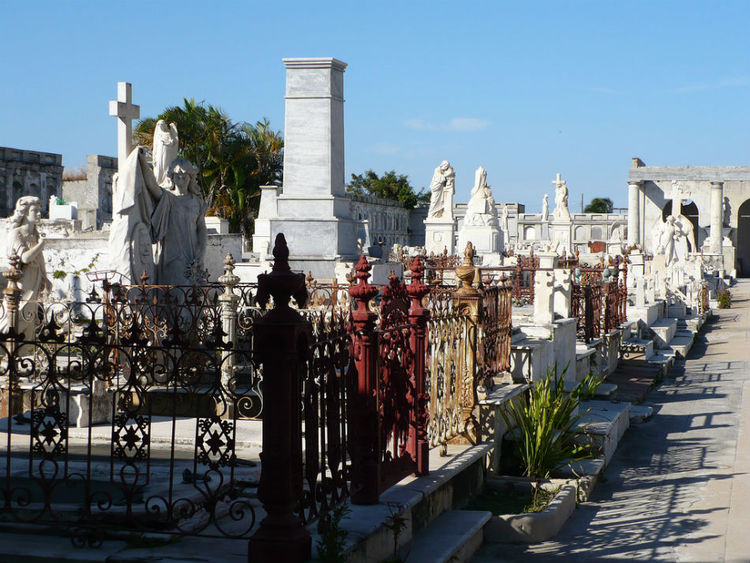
(678, 488)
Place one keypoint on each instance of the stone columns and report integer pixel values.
(634, 212)
(229, 301)
(717, 199)
(313, 198)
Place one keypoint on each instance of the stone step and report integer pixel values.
(663, 359)
(677, 310)
(454, 536)
(605, 391)
(664, 330)
(587, 472)
(640, 413)
(634, 348)
(421, 500)
(602, 425)
(681, 344)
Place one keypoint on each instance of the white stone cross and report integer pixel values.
(125, 111)
(558, 181)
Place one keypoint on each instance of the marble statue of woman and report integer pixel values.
(166, 146)
(24, 241)
(504, 219)
(178, 226)
(168, 214)
(481, 207)
(545, 208)
(442, 188)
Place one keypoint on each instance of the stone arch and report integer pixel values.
(529, 233)
(742, 255)
(580, 233)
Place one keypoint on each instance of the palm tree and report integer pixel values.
(234, 159)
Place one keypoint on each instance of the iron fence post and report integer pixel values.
(468, 302)
(364, 419)
(282, 340)
(418, 317)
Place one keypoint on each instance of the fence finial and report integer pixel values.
(281, 283)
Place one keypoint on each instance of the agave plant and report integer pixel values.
(546, 421)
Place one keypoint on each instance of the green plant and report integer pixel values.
(546, 423)
(59, 274)
(396, 523)
(542, 497)
(586, 389)
(332, 536)
(724, 298)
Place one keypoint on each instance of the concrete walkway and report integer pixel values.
(678, 488)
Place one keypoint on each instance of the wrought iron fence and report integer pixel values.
(131, 472)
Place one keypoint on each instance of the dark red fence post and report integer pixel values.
(282, 340)
(364, 435)
(418, 317)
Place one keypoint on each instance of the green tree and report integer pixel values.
(233, 159)
(599, 205)
(388, 186)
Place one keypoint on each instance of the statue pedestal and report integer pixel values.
(561, 231)
(486, 239)
(438, 235)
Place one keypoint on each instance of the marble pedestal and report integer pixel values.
(561, 231)
(439, 236)
(485, 239)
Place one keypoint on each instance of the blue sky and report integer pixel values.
(525, 89)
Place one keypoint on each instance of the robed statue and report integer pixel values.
(158, 227)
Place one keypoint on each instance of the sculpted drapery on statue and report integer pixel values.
(169, 215)
(481, 207)
(442, 188)
(671, 240)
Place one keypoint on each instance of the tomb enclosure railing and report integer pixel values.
(599, 298)
(360, 381)
(520, 278)
(118, 421)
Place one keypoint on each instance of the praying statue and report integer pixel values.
(170, 215)
(24, 242)
(481, 207)
(442, 188)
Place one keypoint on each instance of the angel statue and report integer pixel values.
(166, 146)
(169, 214)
